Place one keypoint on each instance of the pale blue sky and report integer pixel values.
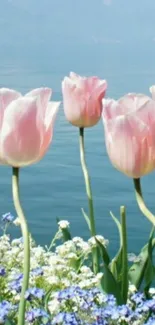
(52, 37)
(78, 20)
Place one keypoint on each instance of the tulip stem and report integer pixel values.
(25, 234)
(139, 197)
(124, 255)
(90, 199)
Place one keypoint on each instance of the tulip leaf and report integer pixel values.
(150, 270)
(86, 218)
(118, 224)
(137, 270)
(103, 252)
(119, 264)
(141, 268)
(110, 286)
(116, 263)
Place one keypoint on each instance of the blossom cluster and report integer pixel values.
(63, 290)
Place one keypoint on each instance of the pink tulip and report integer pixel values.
(26, 125)
(82, 99)
(129, 125)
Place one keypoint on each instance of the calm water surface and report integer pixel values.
(39, 47)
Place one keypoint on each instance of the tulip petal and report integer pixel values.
(21, 138)
(74, 76)
(125, 105)
(50, 117)
(73, 101)
(44, 94)
(126, 142)
(132, 102)
(89, 84)
(51, 112)
(6, 97)
(111, 109)
(94, 83)
(146, 112)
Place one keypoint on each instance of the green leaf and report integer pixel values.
(75, 263)
(116, 263)
(46, 298)
(150, 270)
(138, 269)
(9, 322)
(86, 218)
(119, 264)
(66, 234)
(103, 252)
(110, 286)
(118, 224)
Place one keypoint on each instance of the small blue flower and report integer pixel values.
(34, 292)
(37, 272)
(2, 271)
(66, 319)
(110, 300)
(7, 218)
(59, 318)
(138, 298)
(36, 314)
(124, 310)
(151, 321)
(151, 304)
(16, 284)
(5, 308)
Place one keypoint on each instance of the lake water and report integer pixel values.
(39, 49)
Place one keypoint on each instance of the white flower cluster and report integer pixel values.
(60, 269)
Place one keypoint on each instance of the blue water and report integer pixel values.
(41, 42)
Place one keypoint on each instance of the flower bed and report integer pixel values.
(63, 290)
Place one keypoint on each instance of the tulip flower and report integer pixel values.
(129, 125)
(130, 133)
(82, 99)
(26, 129)
(26, 125)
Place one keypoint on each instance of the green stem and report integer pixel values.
(139, 197)
(90, 199)
(25, 234)
(53, 240)
(124, 255)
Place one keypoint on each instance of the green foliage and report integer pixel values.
(115, 278)
(143, 270)
(86, 218)
(103, 252)
(9, 322)
(110, 285)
